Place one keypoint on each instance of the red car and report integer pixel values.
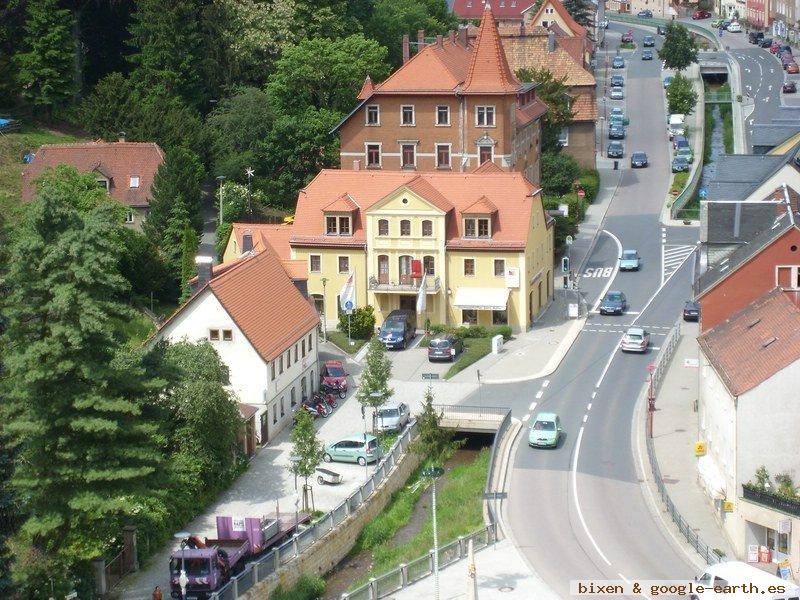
(334, 376)
(792, 68)
(774, 47)
(701, 14)
(627, 38)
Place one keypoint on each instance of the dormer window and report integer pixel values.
(134, 181)
(103, 183)
(477, 227)
(337, 225)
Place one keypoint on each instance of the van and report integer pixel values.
(676, 125)
(398, 329)
(735, 573)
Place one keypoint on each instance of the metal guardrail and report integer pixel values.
(268, 564)
(460, 410)
(634, 20)
(661, 365)
(718, 97)
(489, 492)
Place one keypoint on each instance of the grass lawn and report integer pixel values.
(679, 181)
(691, 211)
(136, 330)
(12, 147)
(459, 507)
(627, 46)
(474, 350)
(340, 339)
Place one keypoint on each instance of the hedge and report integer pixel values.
(590, 182)
(474, 331)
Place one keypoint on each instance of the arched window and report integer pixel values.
(427, 228)
(383, 227)
(405, 227)
(428, 265)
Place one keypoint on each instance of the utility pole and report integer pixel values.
(434, 473)
(651, 401)
(324, 319)
(221, 179)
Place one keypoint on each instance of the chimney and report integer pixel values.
(204, 271)
(452, 35)
(463, 36)
(406, 48)
(439, 41)
(121, 136)
(247, 242)
(551, 41)
(356, 165)
(420, 39)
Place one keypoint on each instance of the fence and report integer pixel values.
(661, 365)
(490, 491)
(634, 20)
(269, 564)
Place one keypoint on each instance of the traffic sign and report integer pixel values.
(569, 240)
(703, 193)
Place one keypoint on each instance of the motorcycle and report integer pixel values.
(310, 407)
(328, 397)
(321, 406)
(341, 390)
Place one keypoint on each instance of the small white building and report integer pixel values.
(256, 315)
(749, 416)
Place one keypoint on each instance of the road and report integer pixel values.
(579, 511)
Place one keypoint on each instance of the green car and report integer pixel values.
(545, 431)
(353, 449)
(685, 153)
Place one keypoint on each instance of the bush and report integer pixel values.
(361, 323)
(559, 172)
(590, 182)
(307, 588)
(473, 331)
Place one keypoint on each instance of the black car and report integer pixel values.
(645, 14)
(790, 87)
(639, 160)
(647, 55)
(648, 41)
(785, 48)
(615, 132)
(765, 43)
(615, 150)
(445, 346)
(661, 30)
(755, 37)
(613, 303)
(691, 311)
(617, 81)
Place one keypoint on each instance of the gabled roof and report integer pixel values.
(488, 70)
(366, 89)
(772, 135)
(488, 167)
(259, 296)
(737, 176)
(508, 10)
(423, 187)
(755, 343)
(343, 203)
(737, 222)
(482, 206)
(116, 161)
(576, 28)
(265, 235)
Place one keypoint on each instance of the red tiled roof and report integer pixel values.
(117, 161)
(509, 192)
(755, 343)
(488, 167)
(488, 70)
(434, 68)
(584, 108)
(576, 28)
(296, 269)
(343, 203)
(247, 411)
(265, 235)
(473, 9)
(530, 112)
(482, 206)
(366, 89)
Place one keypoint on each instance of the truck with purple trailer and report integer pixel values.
(210, 563)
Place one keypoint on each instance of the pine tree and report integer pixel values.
(188, 268)
(176, 188)
(433, 438)
(74, 403)
(46, 67)
(9, 516)
(373, 388)
(307, 450)
(579, 10)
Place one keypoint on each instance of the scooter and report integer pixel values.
(329, 389)
(310, 407)
(321, 407)
(327, 397)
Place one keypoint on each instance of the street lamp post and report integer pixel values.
(183, 579)
(221, 179)
(249, 172)
(651, 400)
(434, 473)
(295, 460)
(324, 318)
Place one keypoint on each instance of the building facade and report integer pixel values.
(758, 13)
(450, 107)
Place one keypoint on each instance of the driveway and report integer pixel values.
(411, 363)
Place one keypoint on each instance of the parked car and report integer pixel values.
(615, 132)
(792, 68)
(686, 153)
(647, 55)
(445, 346)
(616, 121)
(615, 150)
(785, 48)
(645, 14)
(648, 41)
(617, 111)
(679, 141)
(629, 261)
(398, 329)
(661, 30)
(691, 311)
(334, 376)
(786, 61)
(635, 339)
(613, 303)
(617, 81)
(680, 164)
(725, 24)
(358, 448)
(545, 431)
(392, 417)
(616, 93)
(717, 22)
(667, 81)
(735, 27)
(639, 160)
(790, 87)
(774, 46)
(755, 37)
(701, 14)
(618, 63)
(627, 37)
(765, 43)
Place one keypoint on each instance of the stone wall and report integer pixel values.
(327, 552)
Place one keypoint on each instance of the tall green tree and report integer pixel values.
(188, 268)
(579, 10)
(681, 97)
(433, 439)
(9, 515)
(73, 407)
(107, 110)
(307, 450)
(45, 68)
(679, 49)
(373, 388)
(554, 93)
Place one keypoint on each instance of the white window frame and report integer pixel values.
(494, 267)
(134, 181)
(223, 333)
(485, 109)
(413, 115)
(413, 165)
(129, 217)
(475, 220)
(366, 115)
(563, 136)
(422, 227)
(336, 225)
(388, 229)
(214, 335)
(794, 275)
(103, 183)
(410, 228)
(436, 117)
(478, 153)
(311, 263)
(449, 165)
(545, 23)
(474, 267)
(380, 155)
(349, 225)
(339, 266)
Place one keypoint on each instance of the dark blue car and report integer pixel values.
(613, 303)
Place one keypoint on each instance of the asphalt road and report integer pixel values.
(579, 511)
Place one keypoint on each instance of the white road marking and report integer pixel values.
(749, 89)
(608, 364)
(589, 406)
(585, 417)
(769, 88)
(575, 496)
(545, 383)
(539, 394)
(766, 99)
(616, 270)
(650, 301)
(655, 347)
(751, 121)
(593, 395)
(772, 70)
(525, 418)
(532, 406)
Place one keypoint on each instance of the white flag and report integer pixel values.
(347, 297)
(422, 297)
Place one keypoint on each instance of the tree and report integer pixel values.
(579, 10)
(9, 515)
(307, 450)
(373, 389)
(559, 172)
(238, 205)
(360, 325)
(46, 67)
(681, 97)
(189, 250)
(555, 94)
(73, 408)
(79, 190)
(144, 268)
(106, 111)
(679, 49)
(433, 439)
(325, 74)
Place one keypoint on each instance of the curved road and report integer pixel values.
(578, 512)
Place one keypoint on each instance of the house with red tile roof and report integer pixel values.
(478, 245)
(507, 12)
(451, 107)
(125, 169)
(748, 418)
(264, 328)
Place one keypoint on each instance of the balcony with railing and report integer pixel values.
(771, 500)
(404, 284)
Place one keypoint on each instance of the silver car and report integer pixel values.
(392, 417)
(635, 339)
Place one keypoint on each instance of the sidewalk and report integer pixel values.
(501, 574)
(675, 432)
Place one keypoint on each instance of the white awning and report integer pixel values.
(468, 298)
(712, 479)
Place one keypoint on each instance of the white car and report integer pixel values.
(635, 339)
(616, 94)
(734, 27)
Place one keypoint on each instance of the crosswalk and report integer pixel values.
(672, 257)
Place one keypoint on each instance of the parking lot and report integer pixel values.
(411, 363)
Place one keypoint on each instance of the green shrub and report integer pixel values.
(590, 182)
(559, 172)
(361, 323)
(473, 331)
(307, 588)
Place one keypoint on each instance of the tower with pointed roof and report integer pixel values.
(451, 107)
